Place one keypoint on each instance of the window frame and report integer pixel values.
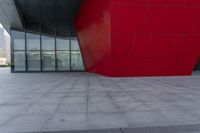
(41, 50)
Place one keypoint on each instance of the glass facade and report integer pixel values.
(40, 53)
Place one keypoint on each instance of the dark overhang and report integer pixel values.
(53, 17)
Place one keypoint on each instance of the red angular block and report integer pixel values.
(139, 37)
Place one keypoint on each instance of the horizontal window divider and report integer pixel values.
(48, 50)
(63, 50)
(33, 50)
(75, 50)
(19, 50)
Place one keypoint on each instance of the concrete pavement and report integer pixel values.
(38, 102)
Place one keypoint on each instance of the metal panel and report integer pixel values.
(9, 16)
(49, 15)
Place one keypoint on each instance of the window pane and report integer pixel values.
(19, 61)
(48, 43)
(33, 41)
(18, 40)
(74, 44)
(33, 61)
(62, 44)
(63, 60)
(76, 60)
(48, 61)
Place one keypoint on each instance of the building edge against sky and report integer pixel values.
(117, 38)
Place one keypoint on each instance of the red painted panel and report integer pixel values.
(139, 37)
(93, 28)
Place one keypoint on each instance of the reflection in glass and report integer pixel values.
(33, 41)
(48, 60)
(48, 43)
(18, 40)
(19, 61)
(76, 57)
(33, 60)
(74, 44)
(63, 60)
(76, 61)
(62, 44)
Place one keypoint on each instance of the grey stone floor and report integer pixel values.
(31, 102)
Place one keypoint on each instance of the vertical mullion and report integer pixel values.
(55, 36)
(70, 50)
(70, 46)
(12, 52)
(55, 52)
(40, 21)
(41, 53)
(26, 60)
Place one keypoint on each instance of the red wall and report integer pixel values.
(93, 28)
(140, 37)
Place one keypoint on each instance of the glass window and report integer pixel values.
(33, 60)
(33, 41)
(63, 60)
(48, 43)
(76, 57)
(18, 40)
(62, 44)
(52, 54)
(48, 60)
(19, 61)
(76, 61)
(74, 44)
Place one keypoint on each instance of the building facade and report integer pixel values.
(116, 38)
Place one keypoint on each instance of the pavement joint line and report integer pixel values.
(72, 86)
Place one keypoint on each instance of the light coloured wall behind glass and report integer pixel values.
(19, 40)
(74, 44)
(76, 61)
(33, 41)
(62, 44)
(33, 60)
(19, 61)
(63, 60)
(76, 57)
(48, 60)
(48, 43)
